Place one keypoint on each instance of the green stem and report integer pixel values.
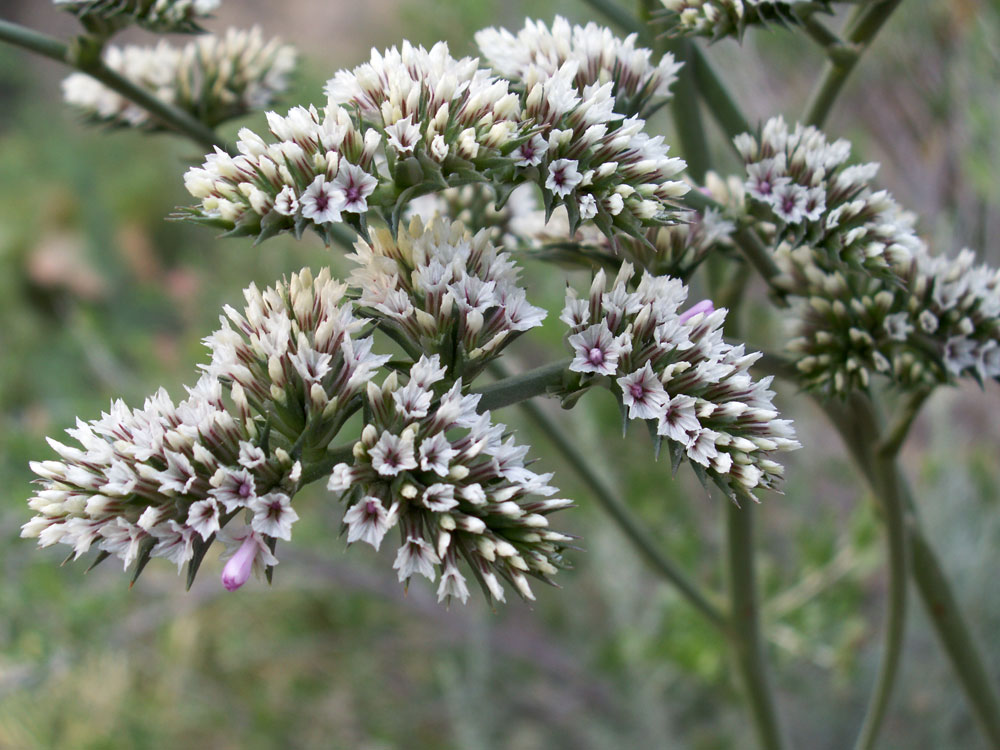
(958, 641)
(717, 97)
(517, 388)
(321, 469)
(862, 27)
(860, 427)
(616, 14)
(174, 119)
(897, 431)
(748, 643)
(629, 525)
(686, 113)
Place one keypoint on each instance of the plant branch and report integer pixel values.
(717, 97)
(862, 28)
(748, 643)
(629, 525)
(172, 118)
(686, 112)
(617, 15)
(517, 388)
(895, 434)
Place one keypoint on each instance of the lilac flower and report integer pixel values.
(273, 515)
(642, 393)
(322, 202)
(596, 350)
(353, 185)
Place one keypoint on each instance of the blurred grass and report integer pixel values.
(101, 298)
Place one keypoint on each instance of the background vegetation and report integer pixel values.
(101, 298)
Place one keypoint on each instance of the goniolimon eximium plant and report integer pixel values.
(436, 175)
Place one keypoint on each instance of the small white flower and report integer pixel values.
(403, 135)
(563, 177)
(701, 448)
(898, 326)
(353, 186)
(678, 419)
(392, 455)
(203, 517)
(436, 454)
(367, 521)
(286, 203)
(588, 206)
(439, 497)
(531, 152)
(597, 350)
(273, 515)
(788, 201)
(233, 488)
(322, 202)
(439, 148)
(251, 456)
(416, 556)
(643, 394)
(452, 585)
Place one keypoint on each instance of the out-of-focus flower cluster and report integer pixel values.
(867, 296)
(215, 78)
(165, 480)
(721, 18)
(673, 370)
(594, 54)
(107, 16)
(429, 463)
(414, 121)
(675, 250)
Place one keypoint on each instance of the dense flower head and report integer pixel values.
(294, 352)
(430, 464)
(165, 480)
(215, 78)
(671, 368)
(445, 290)
(800, 184)
(161, 481)
(537, 52)
(107, 16)
(475, 206)
(721, 18)
(414, 121)
(674, 250)
(937, 318)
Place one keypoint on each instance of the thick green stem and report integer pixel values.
(862, 27)
(172, 118)
(897, 431)
(616, 14)
(860, 426)
(517, 388)
(748, 642)
(629, 525)
(717, 97)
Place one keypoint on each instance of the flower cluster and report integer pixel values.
(935, 319)
(414, 121)
(107, 16)
(673, 370)
(721, 18)
(214, 78)
(475, 206)
(444, 291)
(162, 481)
(598, 55)
(429, 463)
(800, 183)
(675, 250)
(867, 296)
(165, 480)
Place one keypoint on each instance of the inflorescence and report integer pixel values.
(107, 16)
(414, 121)
(673, 370)
(721, 18)
(214, 78)
(867, 295)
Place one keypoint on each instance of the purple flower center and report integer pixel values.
(637, 391)
(595, 356)
(353, 193)
(244, 490)
(371, 508)
(788, 203)
(322, 200)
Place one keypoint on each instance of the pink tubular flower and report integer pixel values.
(240, 565)
(705, 306)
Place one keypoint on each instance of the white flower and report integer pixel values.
(452, 585)
(403, 135)
(531, 152)
(643, 394)
(285, 203)
(416, 556)
(596, 349)
(353, 186)
(273, 515)
(898, 326)
(588, 206)
(563, 177)
(322, 202)
(392, 455)
(203, 517)
(788, 201)
(678, 419)
(439, 148)
(368, 521)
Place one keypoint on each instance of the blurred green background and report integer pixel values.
(101, 298)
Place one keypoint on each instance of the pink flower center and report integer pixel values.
(595, 356)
